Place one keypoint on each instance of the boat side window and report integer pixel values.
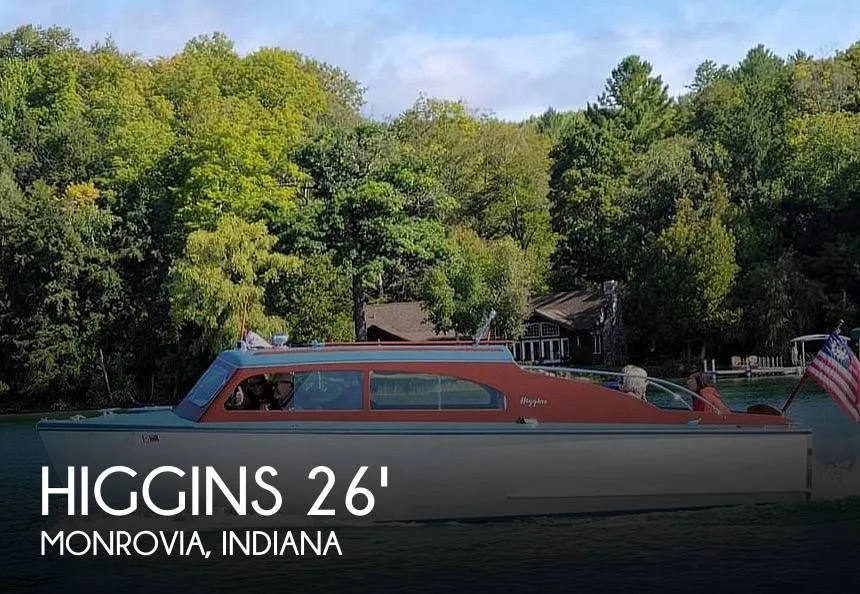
(327, 390)
(289, 391)
(424, 391)
(212, 380)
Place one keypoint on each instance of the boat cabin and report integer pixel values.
(408, 382)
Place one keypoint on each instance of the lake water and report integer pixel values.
(803, 547)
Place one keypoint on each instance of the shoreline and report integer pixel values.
(36, 414)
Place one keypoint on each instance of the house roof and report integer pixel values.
(406, 320)
(575, 310)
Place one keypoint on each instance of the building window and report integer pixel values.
(424, 391)
(532, 331)
(549, 330)
(597, 343)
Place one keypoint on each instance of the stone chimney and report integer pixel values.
(612, 329)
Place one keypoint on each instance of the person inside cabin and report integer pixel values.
(259, 394)
(709, 397)
(237, 401)
(284, 389)
(635, 382)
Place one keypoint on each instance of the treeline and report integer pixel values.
(150, 209)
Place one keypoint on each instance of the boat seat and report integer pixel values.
(763, 409)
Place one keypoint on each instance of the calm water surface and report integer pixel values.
(803, 547)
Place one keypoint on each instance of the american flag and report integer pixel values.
(837, 369)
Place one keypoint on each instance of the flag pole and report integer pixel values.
(794, 392)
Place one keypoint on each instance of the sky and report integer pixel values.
(511, 58)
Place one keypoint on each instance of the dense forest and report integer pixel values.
(151, 208)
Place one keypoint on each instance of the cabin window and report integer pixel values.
(294, 391)
(212, 380)
(327, 390)
(532, 331)
(422, 391)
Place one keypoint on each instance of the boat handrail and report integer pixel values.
(664, 385)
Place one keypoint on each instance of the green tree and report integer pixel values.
(636, 103)
(30, 41)
(314, 302)
(239, 120)
(680, 292)
(782, 302)
(479, 275)
(442, 135)
(823, 211)
(589, 181)
(511, 200)
(747, 111)
(218, 288)
(365, 219)
(58, 292)
(587, 188)
(552, 124)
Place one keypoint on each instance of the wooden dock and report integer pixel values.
(769, 366)
(756, 371)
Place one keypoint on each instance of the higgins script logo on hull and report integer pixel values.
(532, 402)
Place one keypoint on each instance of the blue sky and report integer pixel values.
(512, 58)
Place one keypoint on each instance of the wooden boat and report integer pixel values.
(464, 432)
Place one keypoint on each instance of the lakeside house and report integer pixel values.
(401, 321)
(566, 328)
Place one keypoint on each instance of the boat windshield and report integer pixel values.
(212, 380)
(660, 393)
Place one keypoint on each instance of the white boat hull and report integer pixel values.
(458, 471)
